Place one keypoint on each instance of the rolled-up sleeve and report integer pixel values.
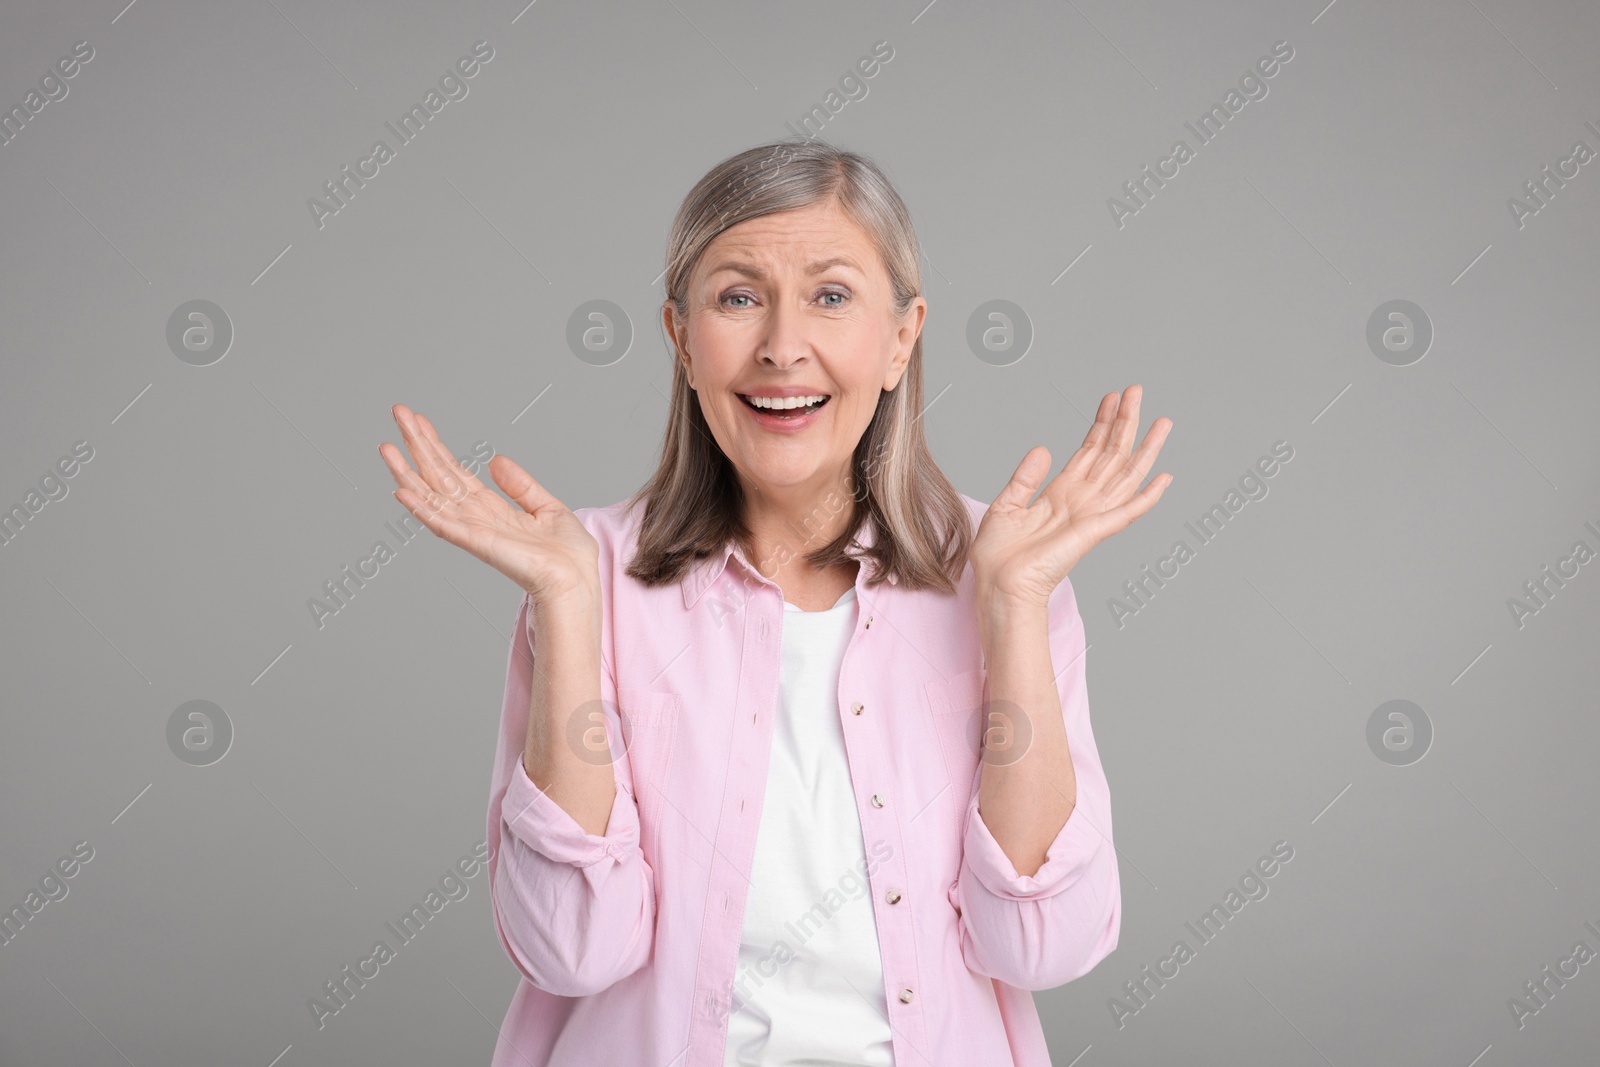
(574, 911)
(1043, 930)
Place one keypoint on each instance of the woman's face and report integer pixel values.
(796, 304)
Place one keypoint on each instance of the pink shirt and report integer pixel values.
(628, 942)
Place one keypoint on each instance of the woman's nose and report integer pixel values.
(786, 339)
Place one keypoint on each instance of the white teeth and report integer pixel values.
(783, 403)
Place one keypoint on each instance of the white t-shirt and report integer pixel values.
(809, 985)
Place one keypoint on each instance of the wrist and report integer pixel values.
(1000, 616)
(580, 596)
(570, 610)
(993, 601)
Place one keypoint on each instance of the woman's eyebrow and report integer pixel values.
(750, 270)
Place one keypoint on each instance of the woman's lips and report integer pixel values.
(784, 423)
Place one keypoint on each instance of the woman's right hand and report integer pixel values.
(542, 547)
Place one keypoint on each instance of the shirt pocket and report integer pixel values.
(959, 720)
(649, 721)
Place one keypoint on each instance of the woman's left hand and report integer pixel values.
(1022, 551)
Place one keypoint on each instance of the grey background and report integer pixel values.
(1231, 712)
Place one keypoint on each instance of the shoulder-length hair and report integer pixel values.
(921, 528)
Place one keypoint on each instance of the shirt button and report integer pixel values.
(856, 708)
(905, 996)
(877, 800)
(892, 896)
(868, 626)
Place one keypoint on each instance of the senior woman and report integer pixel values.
(795, 763)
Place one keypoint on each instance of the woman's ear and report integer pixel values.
(905, 341)
(897, 370)
(677, 339)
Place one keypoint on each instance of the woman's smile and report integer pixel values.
(789, 414)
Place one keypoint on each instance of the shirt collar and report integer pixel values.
(703, 573)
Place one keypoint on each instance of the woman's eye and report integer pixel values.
(826, 302)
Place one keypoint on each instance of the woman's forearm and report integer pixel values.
(1028, 787)
(566, 753)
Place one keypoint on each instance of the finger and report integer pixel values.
(412, 434)
(395, 459)
(1094, 442)
(1120, 517)
(459, 482)
(455, 466)
(1025, 479)
(519, 485)
(1080, 467)
(404, 476)
(422, 440)
(1141, 461)
(1123, 427)
(1127, 424)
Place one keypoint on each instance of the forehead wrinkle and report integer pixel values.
(752, 270)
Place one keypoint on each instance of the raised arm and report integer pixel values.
(1039, 888)
(555, 809)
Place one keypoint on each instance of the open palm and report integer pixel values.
(540, 544)
(1023, 551)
